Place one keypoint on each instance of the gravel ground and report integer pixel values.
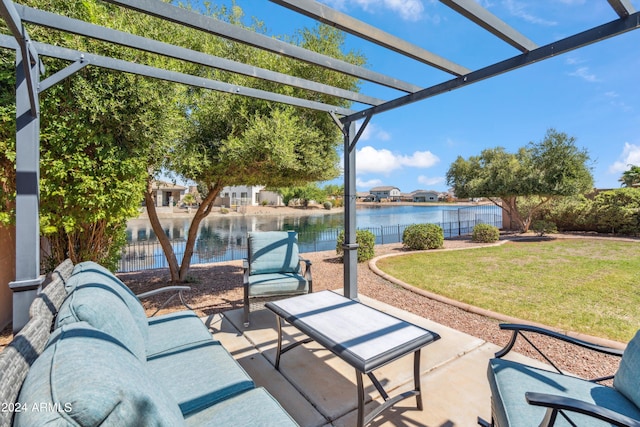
(218, 287)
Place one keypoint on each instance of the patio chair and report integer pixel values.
(273, 269)
(522, 395)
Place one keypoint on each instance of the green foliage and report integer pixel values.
(485, 233)
(303, 194)
(570, 213)
(542, 227)
(224, 211)
(366, 241)
(631, 177)
(189, 199)
(618, 211)
(423, 236)
(551, 168)
(327, 205)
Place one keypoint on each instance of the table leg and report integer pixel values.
(416, 378)
(360, 399)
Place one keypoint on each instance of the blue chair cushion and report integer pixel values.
(264, 285)
(627, 379)
(103, 310)
(175, 330)
(94, 275)
(509, 381)
(248, 409)
(207, 374)
(273, 252)
(93, 380)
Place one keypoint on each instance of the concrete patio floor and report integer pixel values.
(318, 389)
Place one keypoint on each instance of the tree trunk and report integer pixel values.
(162, 237)
(203, 210)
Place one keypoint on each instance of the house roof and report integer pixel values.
(384, 188)
(164, 185)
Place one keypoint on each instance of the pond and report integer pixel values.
(222, 238)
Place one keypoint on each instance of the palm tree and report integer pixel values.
(631, 178)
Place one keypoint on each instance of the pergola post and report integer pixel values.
(28, 280)
(350, 246)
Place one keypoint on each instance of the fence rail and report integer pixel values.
(144, 255)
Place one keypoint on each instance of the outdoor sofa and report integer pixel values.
(90, 356)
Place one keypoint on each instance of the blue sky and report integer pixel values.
(592, 94)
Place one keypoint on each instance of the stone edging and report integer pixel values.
(477, 310)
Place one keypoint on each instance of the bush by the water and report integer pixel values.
(485, 233)
(365, 239)
(327, 205)
(423, 236)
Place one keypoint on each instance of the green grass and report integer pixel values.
(588, 286)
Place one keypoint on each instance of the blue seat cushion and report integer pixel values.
(251, 408)
(627, 379)
(105, 311)
(175, 330)
(264, 285)
(96, 276)
(199, 375)
(509, 381)
(92, 380)
(273, 252)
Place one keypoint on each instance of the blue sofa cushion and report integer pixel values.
(273, 252)
(93, 380)
(199, 375)
(105, 311)
(264, 285)
(173, 331)
(627, 379)
(249, 409)
(509, 381)
(94, 275)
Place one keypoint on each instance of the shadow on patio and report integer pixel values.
(318, 389)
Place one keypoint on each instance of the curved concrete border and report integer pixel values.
(477, 310)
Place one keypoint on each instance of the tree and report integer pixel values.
(304, 194)
(98, 128)
(631, 177)
(235, 140)
(535, 175)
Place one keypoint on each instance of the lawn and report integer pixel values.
(590, 286)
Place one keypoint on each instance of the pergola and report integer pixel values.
(29, 85)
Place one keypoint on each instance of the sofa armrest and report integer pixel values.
(177, 292)
(555, 403)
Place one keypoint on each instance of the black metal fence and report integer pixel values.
(142, 255)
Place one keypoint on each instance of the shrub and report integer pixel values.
(338, 203)
(542, 227)
(365, 239)
(485, 233)
(423, 236)
(264, 202)
(327, 205)
(224, 210)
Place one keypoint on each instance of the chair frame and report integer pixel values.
(557, 405)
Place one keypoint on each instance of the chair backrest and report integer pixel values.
(48, 302)
(273, 252)
(627, 378)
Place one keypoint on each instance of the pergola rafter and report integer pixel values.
(29, 68)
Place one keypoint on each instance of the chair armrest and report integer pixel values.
(307, 272)
(518, 328)
(556, 403)
(245, 272)
(177, 292)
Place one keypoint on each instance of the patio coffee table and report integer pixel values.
(364, 337)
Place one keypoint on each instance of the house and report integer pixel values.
(247, 195)
(167, 194)
(385, 192)
(421, 196)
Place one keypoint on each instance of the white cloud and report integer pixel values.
(630, 156)
(430, 181)
(368, 184)
(373, 131)
(409, 10)
(583, 73)
(519, 9)
(369, 159)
